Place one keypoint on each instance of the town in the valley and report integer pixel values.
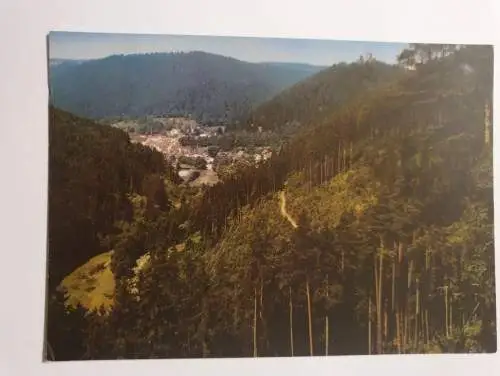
(202, 153)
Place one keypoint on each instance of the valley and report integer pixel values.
(348, 211)
(199, 153)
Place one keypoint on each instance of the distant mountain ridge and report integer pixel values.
(299, 66)
(55, 62)
(206, 86)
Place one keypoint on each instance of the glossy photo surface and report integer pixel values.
(222, 197)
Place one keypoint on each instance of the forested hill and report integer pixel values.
(205, 85)
(323, 93)
(371, 232)
(93, 170)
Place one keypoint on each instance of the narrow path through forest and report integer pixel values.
(284, 213)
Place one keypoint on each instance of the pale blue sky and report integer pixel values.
(72, 45)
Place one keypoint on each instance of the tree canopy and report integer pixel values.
(370, 232)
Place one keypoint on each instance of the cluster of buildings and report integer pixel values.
(168, 142)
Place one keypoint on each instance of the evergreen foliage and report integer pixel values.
(370, 232)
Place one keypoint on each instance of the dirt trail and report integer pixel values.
(284, 213)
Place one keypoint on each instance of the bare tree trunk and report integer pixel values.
(311, 349)
(291, 319)
(321, 172)
(326, 319)
(379, 303)
(369, 324)
(255, 323)
(334, 171)
(261, 314)
(446, 310)
(345, 160)
(203, 327)
(427, 259)
(451, 315)
(393, 282)
(426, 318)
(339, 167)
(405, 328)
(385, 320)
(417, 311)
(350, 154)
(325, 168)
(398, 330)
(326, 335)
(410, 272)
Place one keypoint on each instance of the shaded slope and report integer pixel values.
(92, 169)
(210, 87)
(323, 93)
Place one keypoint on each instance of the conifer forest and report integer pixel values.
(366, 229)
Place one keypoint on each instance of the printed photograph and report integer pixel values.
(228, 197)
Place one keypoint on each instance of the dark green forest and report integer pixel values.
(369, 232)
(92, 171)
(205, 86)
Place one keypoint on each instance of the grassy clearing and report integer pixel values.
(92, 285)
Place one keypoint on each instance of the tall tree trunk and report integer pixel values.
(261, 307)
(427, 326)
(339, 162)
(386, 319)
(410, 272)
(324, 168)
(321, 170)
(333, 170)
(446, 310)
(350, 154)
(326, 321)
(255, 323)
(344, 159)
(427, 259)
(309, 316)
(405, 328)
(393, 282)
(291, 319)
(417, 311)
(369, 324)
(398, 330)
(263, 326)
(379, 303)
(326, 335)
(375, 274)
(203, 327)
(451, 315)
